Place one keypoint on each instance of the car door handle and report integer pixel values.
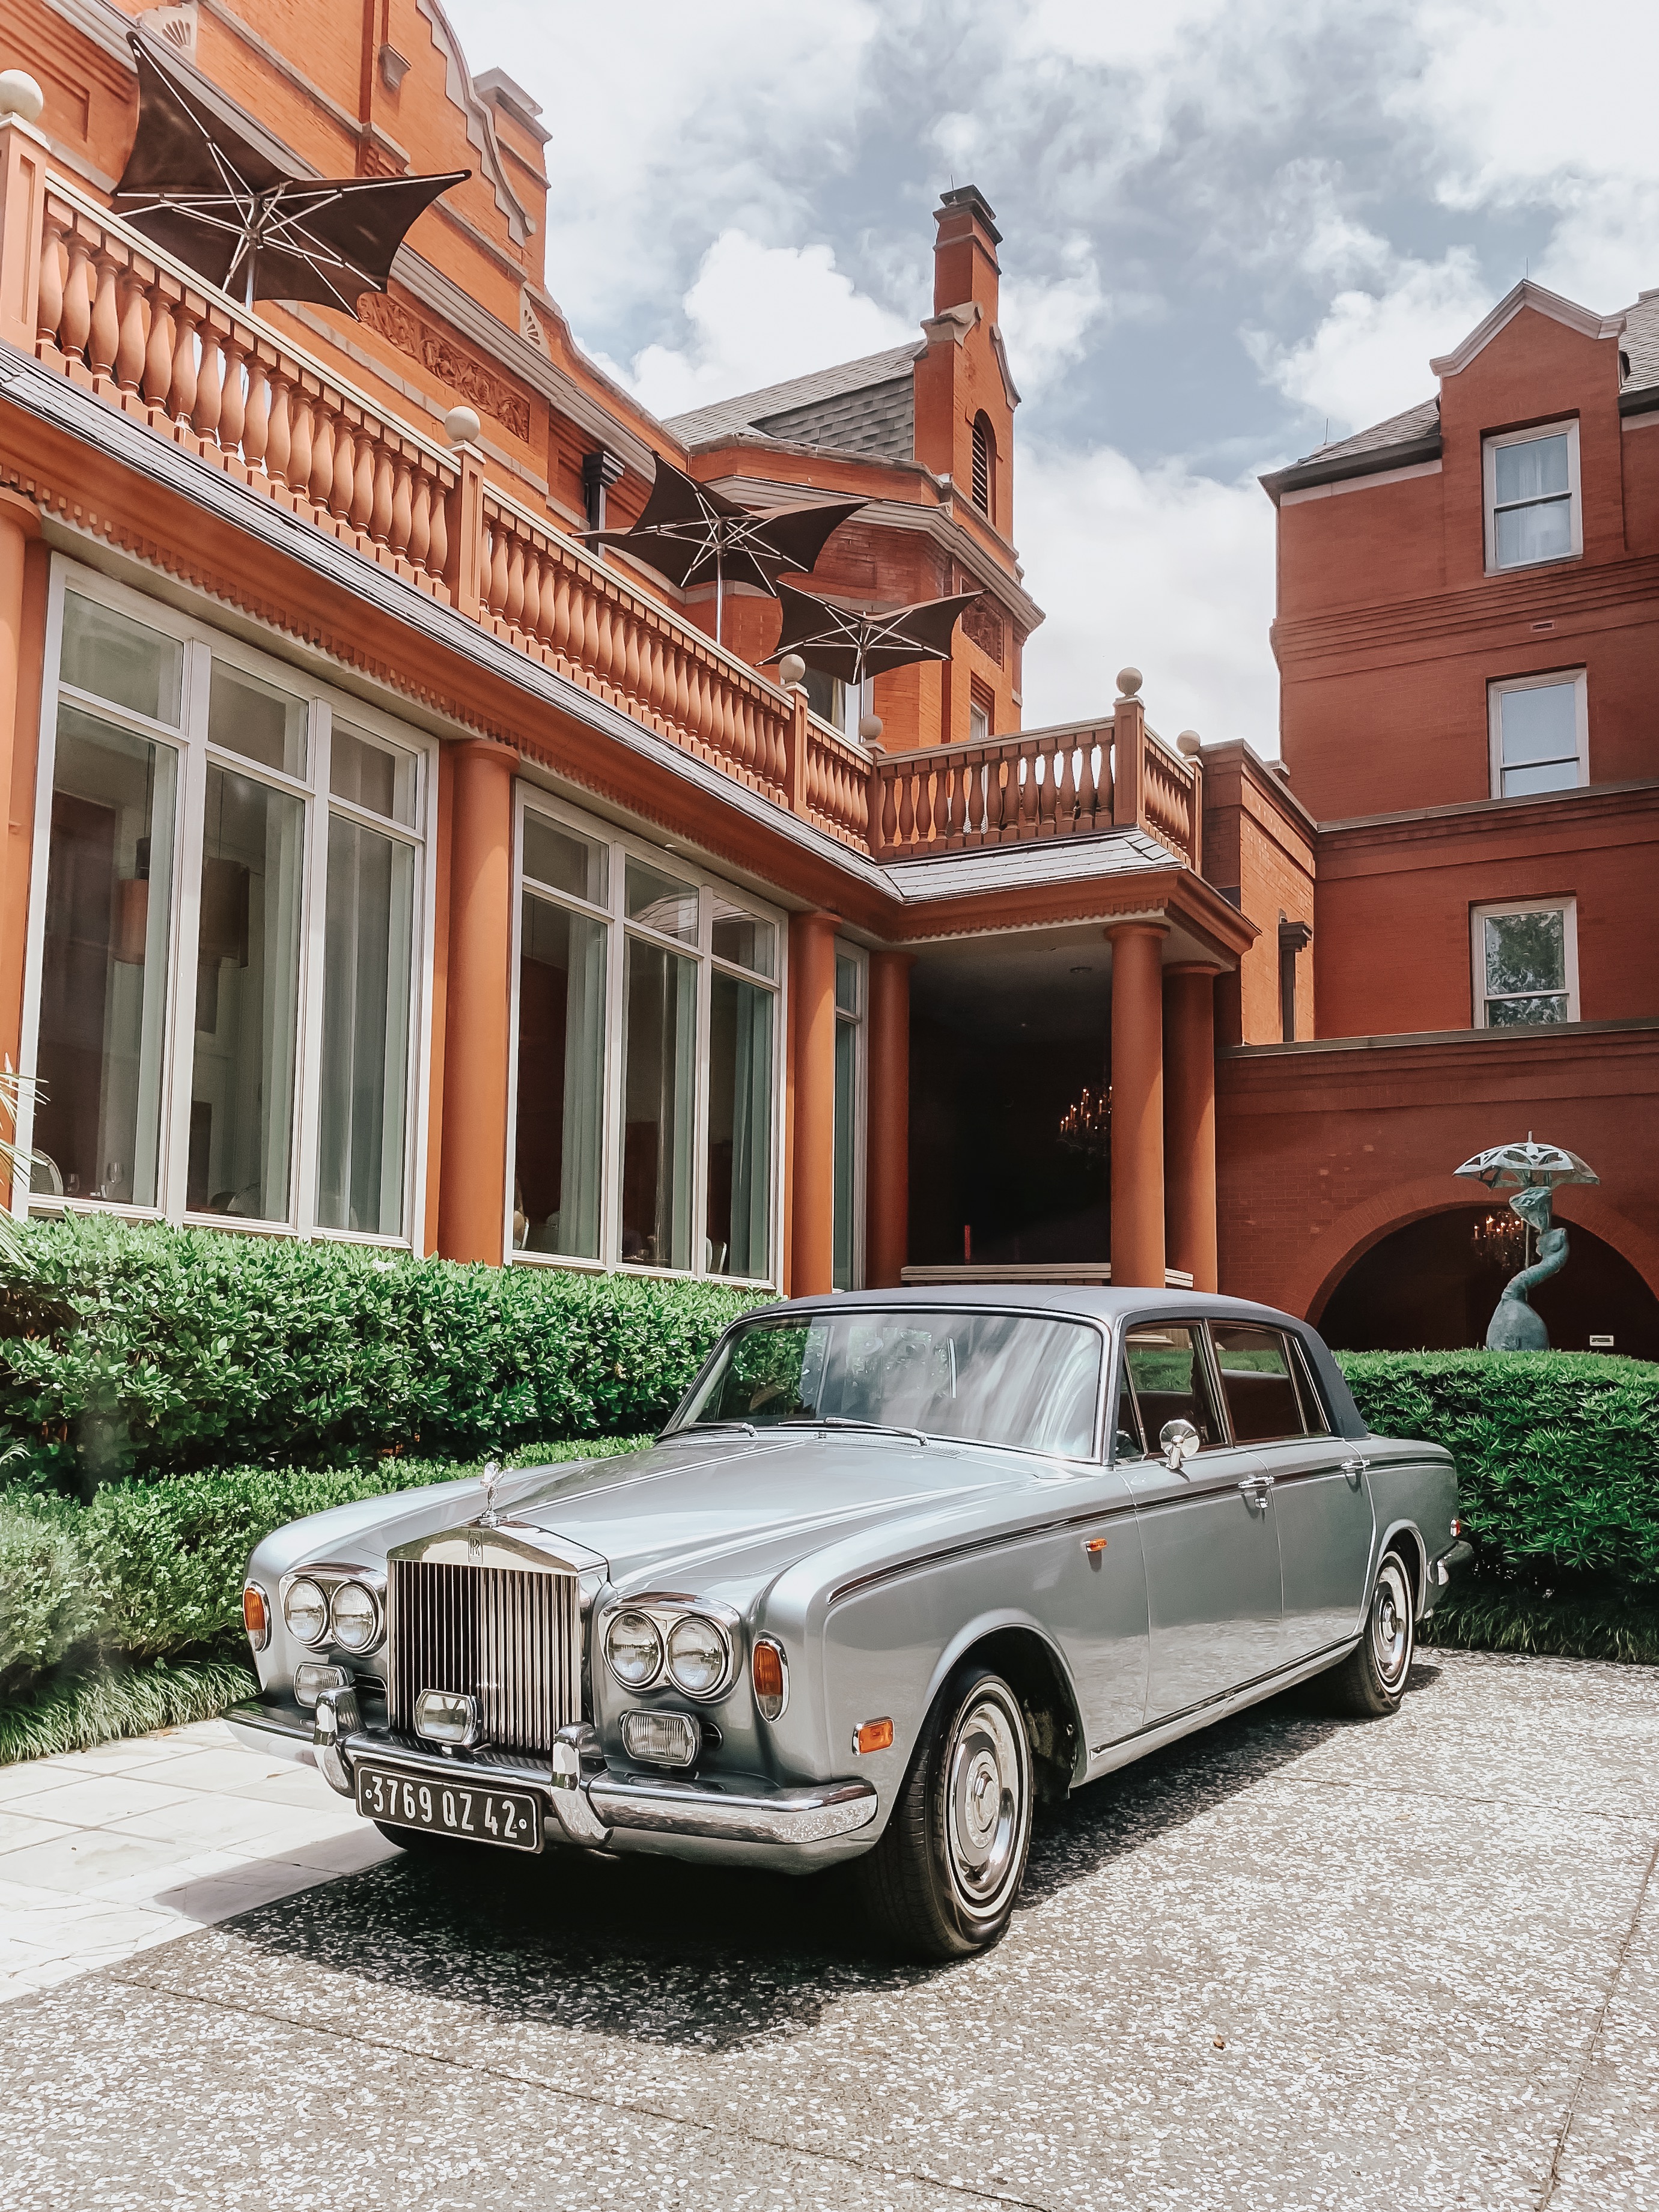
(1354, 1468)
(1256, 1488)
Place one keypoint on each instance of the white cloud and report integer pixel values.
(1158, 567)
(1048, 321)
(758, 314)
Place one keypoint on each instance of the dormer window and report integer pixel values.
(985, 462)
(1532, 497)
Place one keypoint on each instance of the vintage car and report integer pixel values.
(902, 1565)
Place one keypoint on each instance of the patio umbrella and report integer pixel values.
(1531, 1166)
(854, 642)
(205, 193)
(695, 536)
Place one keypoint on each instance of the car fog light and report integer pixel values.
(770, 1672)
(698, 1656)
(634, 1648)
(662, 1739)
(312, 1676)
(305, 1609)
(448, 1716)
(355, 1615)
(256, 1616)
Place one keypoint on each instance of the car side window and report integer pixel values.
(1128, 1442)
(1165, 1362)
(1257, 1382)
(1315, 1418)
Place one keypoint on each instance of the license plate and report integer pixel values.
(511, 1818)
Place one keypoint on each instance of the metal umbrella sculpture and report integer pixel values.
(854, 642)
(203, 192)
(1531, 1172)
(695, 536)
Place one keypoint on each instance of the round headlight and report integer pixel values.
(356, 1614)
(697, 1656)
(634, 1648)
(304, 1611)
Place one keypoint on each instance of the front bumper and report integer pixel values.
(586, 1801)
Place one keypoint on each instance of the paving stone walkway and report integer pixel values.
(1294, 1965)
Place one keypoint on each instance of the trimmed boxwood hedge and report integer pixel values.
(153, 1351)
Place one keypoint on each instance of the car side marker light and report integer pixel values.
(1095, 1547)
(874, 1735)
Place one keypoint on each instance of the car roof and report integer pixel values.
(1094, 1302)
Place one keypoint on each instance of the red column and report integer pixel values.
(813, 1153)
(1137, 1105)
(887, 1154)
(472, 1175)
(23, 576)
(1189, 1120)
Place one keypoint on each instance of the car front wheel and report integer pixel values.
(943, 1881)
(1371, 1680)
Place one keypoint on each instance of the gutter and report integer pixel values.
(1304, 474)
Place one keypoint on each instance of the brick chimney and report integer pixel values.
(965, 252)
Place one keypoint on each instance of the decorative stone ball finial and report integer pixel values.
(792, 670)
(870, 728)
(462, 426)
(21, 95)
(1128, 683)
(1189, 743)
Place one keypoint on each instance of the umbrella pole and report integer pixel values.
(720, 598)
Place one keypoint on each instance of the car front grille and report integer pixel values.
(510, 1639)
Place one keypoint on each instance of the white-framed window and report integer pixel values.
(1526, 963)
(230, 918)
(843, 705)
(851, 998)
(1540, 733)
(647, 1081)
(1532, 502)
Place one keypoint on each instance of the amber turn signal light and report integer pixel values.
(770, 1678)
(256, 1616)
(874, 1735)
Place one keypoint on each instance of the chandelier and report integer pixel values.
(1086, 1125)
(1500, 1240)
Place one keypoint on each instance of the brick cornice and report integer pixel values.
(1542, 823)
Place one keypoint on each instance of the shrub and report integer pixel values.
(100, 1707)
(1557, 1453)
(48, 1613)
(149, 1351)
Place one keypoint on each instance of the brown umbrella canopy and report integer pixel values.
(202, 191)
(854, 642)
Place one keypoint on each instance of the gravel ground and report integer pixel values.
(1294, 1963)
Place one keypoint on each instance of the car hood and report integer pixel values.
(703, 1509)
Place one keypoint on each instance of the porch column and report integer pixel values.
(887, 1121)
(812, 1025)
(472, 1176)
(23, 573)
(1137, 1105)
(1189, 1120)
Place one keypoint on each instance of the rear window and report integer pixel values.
(1258, 1382)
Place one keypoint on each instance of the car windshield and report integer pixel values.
(993, 1378)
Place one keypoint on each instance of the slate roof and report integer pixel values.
(866, 406)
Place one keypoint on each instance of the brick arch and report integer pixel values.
(1357, 1231)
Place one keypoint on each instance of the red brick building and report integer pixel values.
(387, 862)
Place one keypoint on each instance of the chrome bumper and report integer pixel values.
(578, 1790)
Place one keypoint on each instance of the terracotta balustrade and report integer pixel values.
(1170, 802)
(1034, 783)
(835, 791)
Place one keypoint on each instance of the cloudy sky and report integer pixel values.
(1226, 225)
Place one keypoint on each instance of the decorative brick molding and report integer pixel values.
(441, 357)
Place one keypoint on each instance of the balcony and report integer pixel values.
(93, 302)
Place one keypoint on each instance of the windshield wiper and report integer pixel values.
(748, 1427)
(841, 1421)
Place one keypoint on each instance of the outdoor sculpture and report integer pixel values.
(1531, 1171)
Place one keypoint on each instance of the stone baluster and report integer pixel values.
(207, 413)
(131, 344)
(340, 493)
(282, 413)
(157, 379)
(80, 286)
(400, 521)
(514, 606)
(425, 499)
(437, 553)
(233, 401)
(104, 326)
(361, 506)
(54, 265)
(301, 440)
(186, 382)
(383, 498)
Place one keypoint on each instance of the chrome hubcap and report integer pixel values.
(1391, 1624)
(986, 1800)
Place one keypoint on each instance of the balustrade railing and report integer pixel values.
(1000, 791)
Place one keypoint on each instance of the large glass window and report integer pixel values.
(1526, 964)
(1532, 497)
(228, 921)
(1538, 734)
(658, 1068)
(560, 1126)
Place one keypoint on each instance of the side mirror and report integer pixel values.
(1178, 1440)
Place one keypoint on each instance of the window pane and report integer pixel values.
(362, 1107)
(662, 902)
(1531, 468)
(1540, 723)
(1509, 1013)
(122, 661)
(843, 1240)
(1535, 533)
(740, 1128)
(847, 984)
(1526, 953)
(560, 1095)
(379, 778)
(658, 1059)
(1553, 775)
(742, 939)
(1167, 1370)
(247, 985)
(257, 720)
(103, 963)
(565, 861)
(1257, 1382)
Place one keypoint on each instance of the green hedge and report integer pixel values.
(156, 1351)
(1557, 1453)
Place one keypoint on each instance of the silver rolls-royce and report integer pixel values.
(903, 1564)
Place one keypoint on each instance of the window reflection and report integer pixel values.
(555, 1204)
(363, 1103)
(658, 1052)
(740, 1127)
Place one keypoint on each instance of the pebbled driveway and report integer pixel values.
(1293, 1963)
